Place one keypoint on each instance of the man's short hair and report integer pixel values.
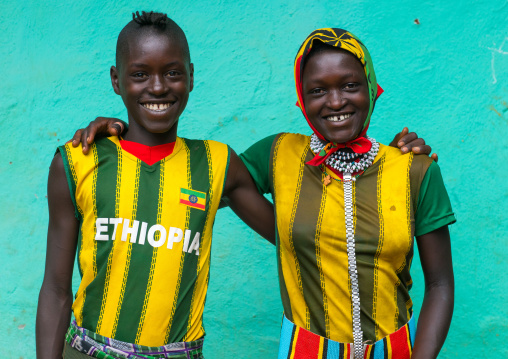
(150, 23)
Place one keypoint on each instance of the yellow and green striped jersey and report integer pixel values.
(398, 197)
(145, 238)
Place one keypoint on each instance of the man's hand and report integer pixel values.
(101, 126)
(408, 142)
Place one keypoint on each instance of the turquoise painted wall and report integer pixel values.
(446, 78)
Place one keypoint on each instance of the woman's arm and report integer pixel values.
(242, 195)
(437, 308)
(55, 297)
(101, 126)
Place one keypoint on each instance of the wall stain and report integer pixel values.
(492, 108)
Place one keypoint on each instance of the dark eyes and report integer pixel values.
(139, 75)
(317, 91)
(350, 86)
(144, 75)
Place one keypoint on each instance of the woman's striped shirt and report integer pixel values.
(311, 243)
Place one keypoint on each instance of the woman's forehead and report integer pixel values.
(333, 60)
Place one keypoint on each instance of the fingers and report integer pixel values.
(76, 139)
(409, 142)
(422, 150)
(84, 143)
(399, 137)
(416, 145)
(407, 139)
(116, 129)
(99, 126)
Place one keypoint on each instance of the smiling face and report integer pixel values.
(335, 94)
(154, 78)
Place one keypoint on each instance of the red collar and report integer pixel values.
(148, 154)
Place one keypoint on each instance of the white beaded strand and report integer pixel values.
(345, 161)
(351, 256)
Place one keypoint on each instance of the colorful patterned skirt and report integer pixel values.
(98, 346)
(298, 343)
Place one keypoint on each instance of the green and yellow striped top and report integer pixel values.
(145, 238)
(398, 197)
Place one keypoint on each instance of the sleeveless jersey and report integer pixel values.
(311, 243)
(145, 238)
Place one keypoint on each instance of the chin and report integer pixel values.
(343, 137)
(160, 129)
(157, 127)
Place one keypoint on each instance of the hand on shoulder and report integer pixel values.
(101, 126)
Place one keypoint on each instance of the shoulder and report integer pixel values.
(290, 142)
(419, 163)
(264, 148)
(196, 143)
(264, 145)
(294, 138)
(57, 163)
(104, 143)
(216, 153)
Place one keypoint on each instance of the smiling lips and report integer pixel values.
(157, 106)
(338, 118)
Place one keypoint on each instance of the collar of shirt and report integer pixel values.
(148, 154)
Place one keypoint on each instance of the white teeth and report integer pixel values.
(157, 106)
(338, 118)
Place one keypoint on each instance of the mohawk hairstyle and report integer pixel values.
(155, 23)
(156, 19)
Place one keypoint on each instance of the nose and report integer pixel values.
(158, 85)
(336, 100)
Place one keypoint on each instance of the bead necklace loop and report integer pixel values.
(344, 159)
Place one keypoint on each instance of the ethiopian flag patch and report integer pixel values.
(194, 199)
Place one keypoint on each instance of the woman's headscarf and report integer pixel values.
(344, 40)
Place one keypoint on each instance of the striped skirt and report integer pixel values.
(298, 343)
(80, 340)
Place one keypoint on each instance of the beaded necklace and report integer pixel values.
(345, 160)
(348, 162)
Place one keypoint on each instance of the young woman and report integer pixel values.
(347, 209)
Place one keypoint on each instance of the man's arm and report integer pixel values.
(108, 126)
(55, 297)
(241, 194)
(437, 308)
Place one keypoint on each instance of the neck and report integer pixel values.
(141, 135)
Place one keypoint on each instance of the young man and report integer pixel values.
(139, 212)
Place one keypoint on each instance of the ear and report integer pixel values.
(191, 75)
(113, 72)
